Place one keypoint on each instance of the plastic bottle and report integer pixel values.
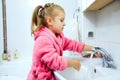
(8, 55)
(4, 55)
(16, 54)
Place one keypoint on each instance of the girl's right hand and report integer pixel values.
(75, 64)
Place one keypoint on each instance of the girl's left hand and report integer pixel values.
(97, 55)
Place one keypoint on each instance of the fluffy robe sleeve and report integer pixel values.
(73, 45)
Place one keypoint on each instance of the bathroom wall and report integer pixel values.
(18, 27)
(105, 26)
(19, 19)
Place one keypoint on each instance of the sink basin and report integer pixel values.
(91, 69)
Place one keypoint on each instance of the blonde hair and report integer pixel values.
(40, 13)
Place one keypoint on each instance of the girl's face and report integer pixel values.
(57, 24)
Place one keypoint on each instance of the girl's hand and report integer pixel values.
(75, 64)
(97, 55)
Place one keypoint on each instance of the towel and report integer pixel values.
(107, 60)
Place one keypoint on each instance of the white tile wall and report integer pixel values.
(105, 24)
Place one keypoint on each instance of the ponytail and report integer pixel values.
(37, 20)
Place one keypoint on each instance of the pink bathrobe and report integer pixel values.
(47, 54)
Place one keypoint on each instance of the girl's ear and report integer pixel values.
(49, 20)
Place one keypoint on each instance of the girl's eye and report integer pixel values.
(61, 20)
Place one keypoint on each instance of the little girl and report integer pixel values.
(47, 26)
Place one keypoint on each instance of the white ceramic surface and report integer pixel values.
(91, 69)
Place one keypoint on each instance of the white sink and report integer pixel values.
(91, 69)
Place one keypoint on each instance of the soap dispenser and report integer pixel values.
(4, 55)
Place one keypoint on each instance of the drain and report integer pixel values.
(95, 70)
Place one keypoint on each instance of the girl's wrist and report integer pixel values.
(69, 63)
